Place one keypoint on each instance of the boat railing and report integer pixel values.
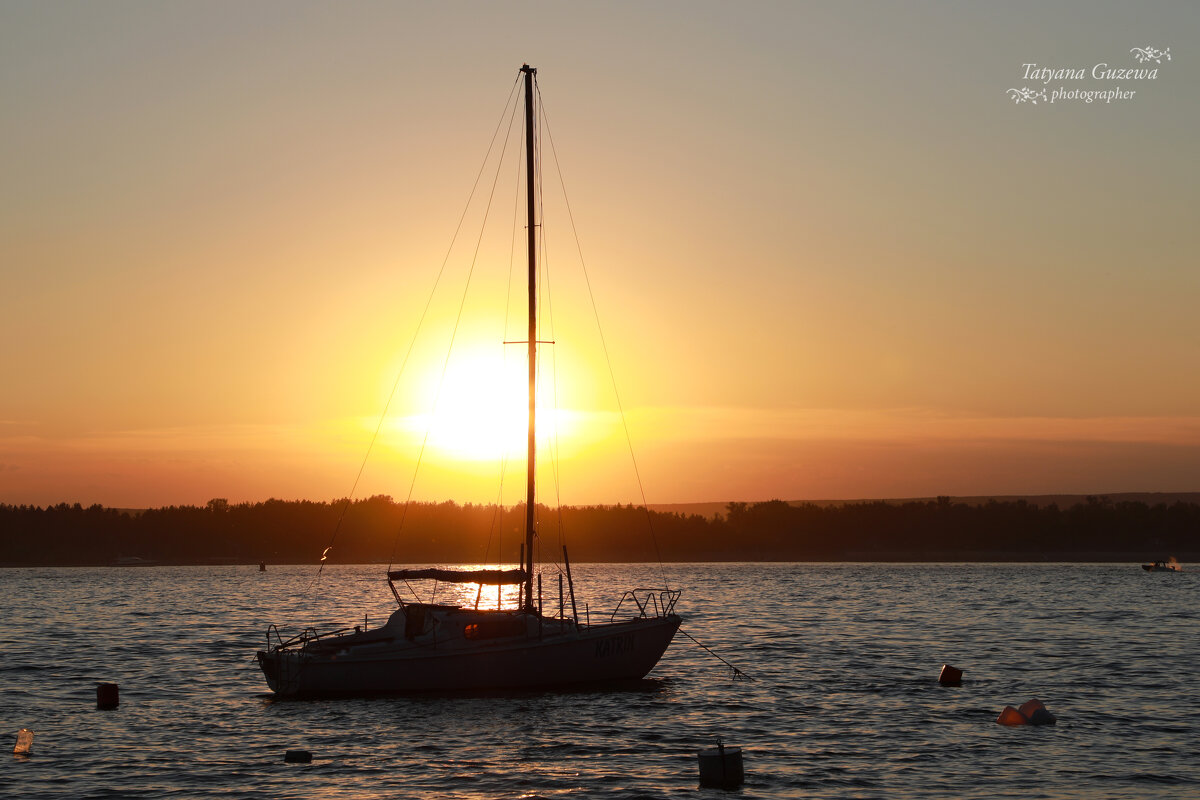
(650, 602)
(304, 639)
(272, 628)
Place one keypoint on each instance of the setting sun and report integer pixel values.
(479, 410)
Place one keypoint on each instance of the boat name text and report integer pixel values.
(614, 646)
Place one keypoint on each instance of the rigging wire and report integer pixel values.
(542, 285)
(604, 345)
(453, 335)
(546, 310)
(553, 445)
(420, 322)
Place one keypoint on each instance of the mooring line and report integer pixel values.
(737, 673)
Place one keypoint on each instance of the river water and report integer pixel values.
(844, 703)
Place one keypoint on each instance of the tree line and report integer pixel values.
(378, 529)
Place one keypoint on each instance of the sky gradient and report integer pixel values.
(832, 256)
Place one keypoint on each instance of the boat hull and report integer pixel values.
(594, 654)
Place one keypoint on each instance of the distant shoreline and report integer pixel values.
(1107, 529)
(710, 509)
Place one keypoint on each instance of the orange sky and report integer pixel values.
(832, 257)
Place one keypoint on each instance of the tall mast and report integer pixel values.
(531, 224)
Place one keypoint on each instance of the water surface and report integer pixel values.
(845, 705)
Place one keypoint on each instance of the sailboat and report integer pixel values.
(446, 647)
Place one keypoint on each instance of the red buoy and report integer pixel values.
(950, 676)
(107, 696)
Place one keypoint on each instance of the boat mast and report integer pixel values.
(531, 225)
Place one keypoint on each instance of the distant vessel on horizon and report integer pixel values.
(133, 561)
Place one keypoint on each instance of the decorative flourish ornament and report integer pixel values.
(1144, 54)
(1027, 95)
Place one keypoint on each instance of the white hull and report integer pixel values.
(557, 654)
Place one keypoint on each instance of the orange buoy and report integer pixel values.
(950, 676)
(107, 696)
(1010, 716)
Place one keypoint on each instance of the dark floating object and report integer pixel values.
(1037, 713)
(950, 676)
(1042, 717)
(1031, 712)
(1163, 566)
(24, 742)
(721, 767)
(298, 757)
(107, 696)
(262, 566)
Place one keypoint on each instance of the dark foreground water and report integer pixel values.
(846, 702)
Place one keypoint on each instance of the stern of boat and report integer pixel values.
(283, 661)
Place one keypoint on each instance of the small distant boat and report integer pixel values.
(1163, 566)
(132, 561)
(262, 566)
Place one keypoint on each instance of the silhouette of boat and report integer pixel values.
(133, 561)
(1162, 566)
(442, 647)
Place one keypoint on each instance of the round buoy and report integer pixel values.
(721, 767)
(107, 695)
(297, 757)
(950, 676)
